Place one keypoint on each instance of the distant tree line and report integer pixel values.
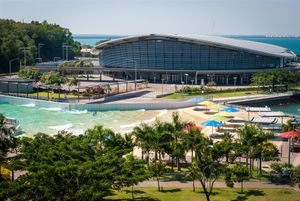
(15, 36)
(276, 78)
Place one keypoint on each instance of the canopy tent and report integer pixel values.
(230, 109)
(258, 109)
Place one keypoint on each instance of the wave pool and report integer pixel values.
(35, 119)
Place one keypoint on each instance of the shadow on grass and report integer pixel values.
(139, 199)
(247, 194)
(171, 190)
(212, 193)
(135, 191)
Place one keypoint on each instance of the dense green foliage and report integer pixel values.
(68, 167)
(29, 73)
(279, 76)
(17, 35)
(52, 77)
(80, 63)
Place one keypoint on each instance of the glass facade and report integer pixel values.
(170, 54)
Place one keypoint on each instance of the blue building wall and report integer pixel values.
(177, 55)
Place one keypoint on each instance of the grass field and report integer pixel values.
(215, 95)
(224, 194)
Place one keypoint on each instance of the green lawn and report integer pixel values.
(221, 194)
(216, 95)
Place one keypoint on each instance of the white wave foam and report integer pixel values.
(51, 108)
(28, 105)
(162, 113)
(142, 110)
(61, 127)
(146, 121)
(77, 111)
(150, 120)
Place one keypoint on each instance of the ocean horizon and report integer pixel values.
(290, 42)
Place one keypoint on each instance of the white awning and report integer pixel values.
(258, 109)
(272, 114)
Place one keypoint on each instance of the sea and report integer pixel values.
(292, 43)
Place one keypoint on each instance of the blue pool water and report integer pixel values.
(293, 109)
(50, 120)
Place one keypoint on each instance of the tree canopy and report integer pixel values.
(16, 35)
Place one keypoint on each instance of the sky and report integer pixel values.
(126, 17)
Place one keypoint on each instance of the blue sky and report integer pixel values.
(220, 17)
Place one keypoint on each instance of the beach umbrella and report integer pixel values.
(225, 114)
(212, 124)
(289, 134)
(230, 109)
(206, 103)
(219, 118)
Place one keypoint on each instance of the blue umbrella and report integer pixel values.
(212, 123)
(297, 121)
(230, 109)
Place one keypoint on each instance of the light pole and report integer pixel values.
(162, 86)
(54, 58)
(135, 70)
(24, 49)
(182, 87)
(186, 77)
(39, 51)
(65, 45)
(10, 61)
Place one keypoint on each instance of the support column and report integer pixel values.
(100, 77)
(196, 78)
(242, 79)
(227, 80)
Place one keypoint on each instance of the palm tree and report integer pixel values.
(177, 126)
(7, 140)
(290, 125)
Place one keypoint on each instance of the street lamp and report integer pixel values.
(186, 77)
(39, 51)
(10, 61)
(24, 49)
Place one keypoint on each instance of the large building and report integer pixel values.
(189, 58)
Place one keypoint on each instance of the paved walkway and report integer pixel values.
(218, 184)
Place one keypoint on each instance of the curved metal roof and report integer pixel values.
(247, 46)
